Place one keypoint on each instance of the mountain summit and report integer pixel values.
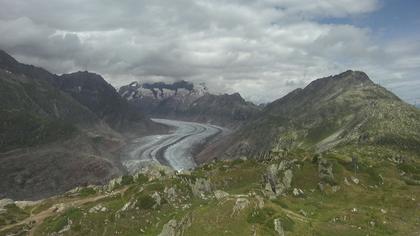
(343, 109)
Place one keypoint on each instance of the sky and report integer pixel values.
(262, 49)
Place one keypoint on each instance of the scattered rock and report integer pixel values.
(219, 194)
(303, 212)
(60, 207)
(23, 204)
(278, 227)
(126, 206)
(325, 170)
(157, 199)
(321, 186)
(5, 202)
(155, 171)
(277, 179)
(298, 192)
(66, 227)
(176, 228)
(169, 229)
(260, 202)
(335, 188)
(170, 193)
(200, 187)
(355, 180)
(240, 204)
(98, 208)
(346, 181)
(113, 183)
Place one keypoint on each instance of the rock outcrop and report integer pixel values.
(278, 179)
(176, 227)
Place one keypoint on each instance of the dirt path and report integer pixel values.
(37, 219)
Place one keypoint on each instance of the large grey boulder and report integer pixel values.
(278, 227)
(200, 187)
(176, 227)
(277, 179)
(325, 171)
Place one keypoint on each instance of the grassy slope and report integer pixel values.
(385, 203)
(344, 109)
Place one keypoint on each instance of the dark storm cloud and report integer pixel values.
(262, 49)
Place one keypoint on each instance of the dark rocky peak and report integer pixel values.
(234, 98)
(346, 79)
(6, 59)
(10, 64)
(84, 80)
(93, 91)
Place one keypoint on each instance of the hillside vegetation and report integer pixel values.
(332, 112)
(294, 194)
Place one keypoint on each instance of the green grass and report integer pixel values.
(325, 213)
(12, 215)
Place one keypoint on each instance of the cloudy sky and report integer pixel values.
(262, 48)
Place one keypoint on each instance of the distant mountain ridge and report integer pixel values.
(187, 101)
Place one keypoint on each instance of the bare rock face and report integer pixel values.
(277, 179)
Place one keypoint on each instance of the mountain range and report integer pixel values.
(52, 125)
(186, 101)
(339, 156)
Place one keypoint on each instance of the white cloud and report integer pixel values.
(263, 49)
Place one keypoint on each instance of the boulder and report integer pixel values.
(175, 227)
(354, 180)
(219, 194)
(278, 227)
(98, 208)
(325, 171)
(170, 193)
(277, 179)
(297, 192)
(157, 199)
(240, 204)
(200, 187)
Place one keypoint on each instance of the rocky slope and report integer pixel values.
(297, 194)
(33, 110)
(101, 98)
(332, 112)
(54, 136)
(186, 101)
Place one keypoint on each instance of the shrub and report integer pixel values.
(141, 179)
(127, 179)
(145, 202)
(87, 191)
